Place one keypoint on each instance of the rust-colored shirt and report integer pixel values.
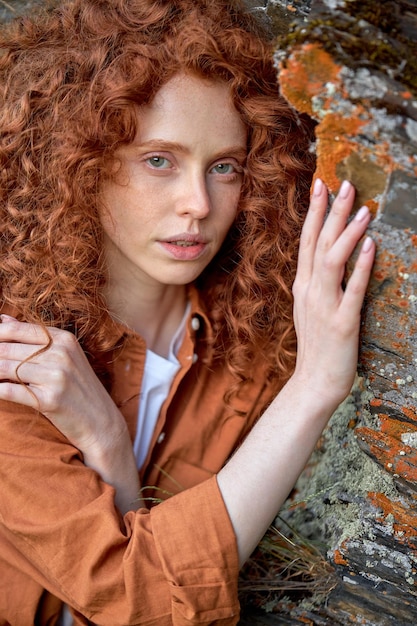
(63, 540)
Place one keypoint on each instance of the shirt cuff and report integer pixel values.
(198, 555)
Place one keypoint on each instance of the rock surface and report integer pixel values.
(352, 67)
(13, 8)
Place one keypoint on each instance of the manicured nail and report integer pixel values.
(362, 213)
(344, 189)
(367, 244)
(318, 187)
(7, 318)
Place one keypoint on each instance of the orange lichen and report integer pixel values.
(338, 558)
(410, 412)
(384, 157)
(305, 75)
(389, 451)
(405, 524)
(394, 427)
(326, 163)
(375, 402)
(373, 206)
(334, 145)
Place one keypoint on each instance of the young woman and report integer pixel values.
(153, 416)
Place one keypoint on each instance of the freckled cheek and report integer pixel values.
(233, 205)
(227, 198)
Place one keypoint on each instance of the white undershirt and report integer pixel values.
(159, 372)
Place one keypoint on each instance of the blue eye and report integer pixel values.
(159, 162)
(224, 168)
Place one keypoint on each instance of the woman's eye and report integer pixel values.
(224, 168)
(159, 162)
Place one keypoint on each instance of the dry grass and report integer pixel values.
(282, 566)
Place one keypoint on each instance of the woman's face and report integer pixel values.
(177, 190)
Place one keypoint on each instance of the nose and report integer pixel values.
(194, 198)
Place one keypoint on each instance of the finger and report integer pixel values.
(14, 351)
(359, 279)
(311, 230)
(21, 394)
(13, 330)
(24, 372)
(331, 265)
(337, 217)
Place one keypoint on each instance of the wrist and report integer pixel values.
(324, 392)
(318, 401)
(109, 443)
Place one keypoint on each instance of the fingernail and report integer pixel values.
(7, 318)
(362, 213)
(318, 187)
(367, 244)
(344, 189)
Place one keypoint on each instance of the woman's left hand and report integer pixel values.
(57, 380)
(52, 375)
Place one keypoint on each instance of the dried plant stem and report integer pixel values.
(286, 565)
(8, 6)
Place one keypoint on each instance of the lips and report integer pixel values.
(184, 239)
(184, 247)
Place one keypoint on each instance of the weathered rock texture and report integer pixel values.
(352, 66)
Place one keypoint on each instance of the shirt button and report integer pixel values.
(161, 437)
(195, 323)
(195, 357)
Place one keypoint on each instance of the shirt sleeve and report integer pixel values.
(176, 564)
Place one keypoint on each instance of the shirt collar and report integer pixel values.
(198, 322)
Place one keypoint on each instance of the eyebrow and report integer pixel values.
(238, 152)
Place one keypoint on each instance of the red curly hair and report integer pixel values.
(70, 79)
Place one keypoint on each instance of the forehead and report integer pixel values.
(197, 109)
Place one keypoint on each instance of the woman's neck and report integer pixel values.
(156, 314)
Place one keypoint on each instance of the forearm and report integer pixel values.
(258, 478)
(113, 459)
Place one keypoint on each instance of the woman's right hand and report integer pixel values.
(327, 314)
